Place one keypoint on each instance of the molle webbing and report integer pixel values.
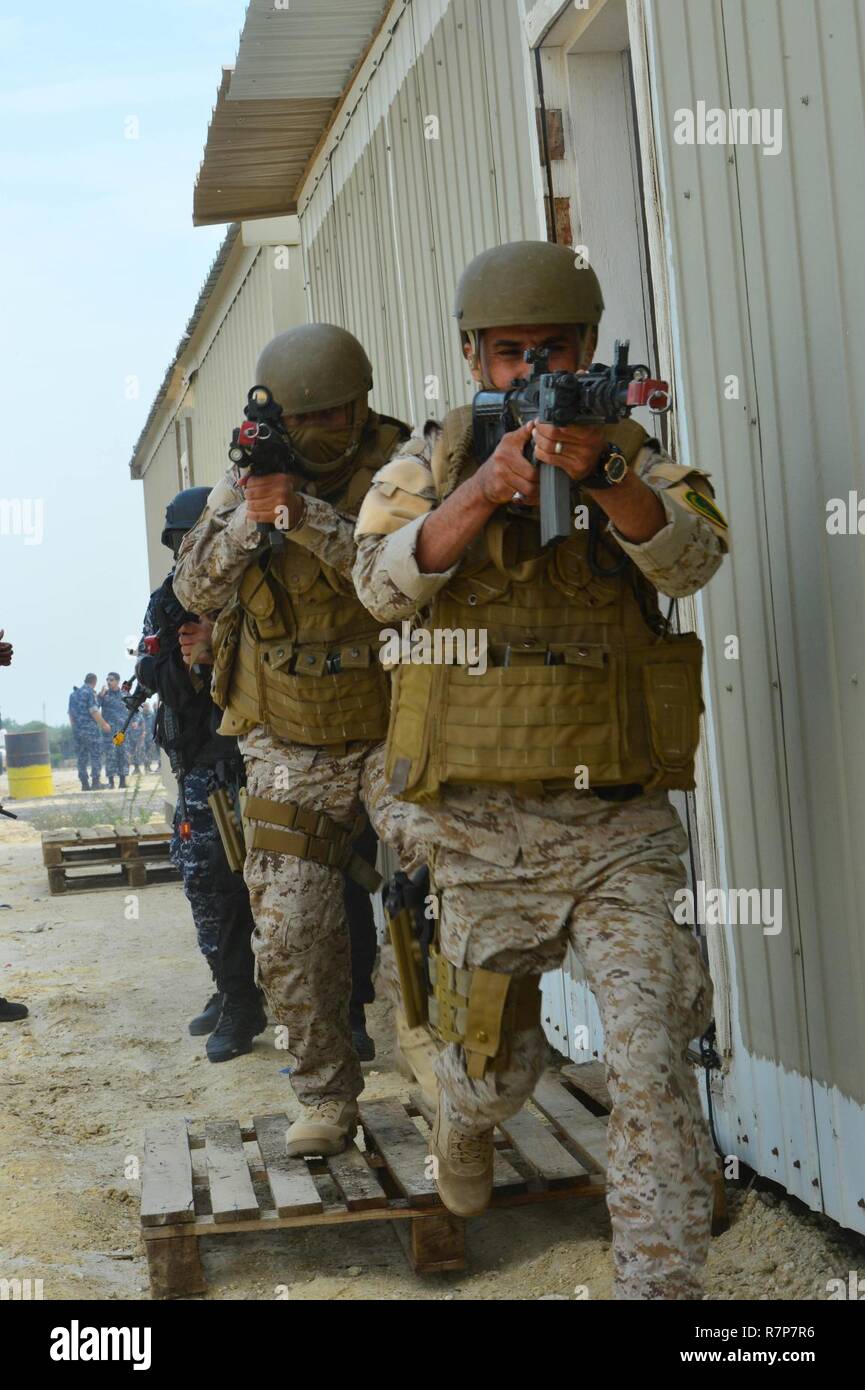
(482, 1010)
(582, 680)
(306, 834)
(298, 651)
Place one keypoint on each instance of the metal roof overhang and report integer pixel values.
(293, 67)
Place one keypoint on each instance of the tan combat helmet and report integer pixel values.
(529, 282)
(314, 367)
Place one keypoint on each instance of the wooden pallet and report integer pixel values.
(245, 1184)
(137, 854)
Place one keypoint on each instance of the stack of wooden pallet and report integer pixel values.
(136, 854)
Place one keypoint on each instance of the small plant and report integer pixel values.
(134, 805)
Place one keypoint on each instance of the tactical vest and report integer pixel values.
(297, 651)
(581, 671)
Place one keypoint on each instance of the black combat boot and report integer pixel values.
(363, 1043)
(111, 783)
(121, 782)
(11, 1013)
(85, 786)
(241, 1020)
(208, 1018)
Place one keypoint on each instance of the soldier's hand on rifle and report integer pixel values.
(581, 447)
(194, 641)
(266, 496)
(508, 472)
(5, 650)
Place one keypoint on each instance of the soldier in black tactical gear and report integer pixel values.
(201, 760)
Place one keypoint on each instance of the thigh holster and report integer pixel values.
(283, 827)
(482, 1010)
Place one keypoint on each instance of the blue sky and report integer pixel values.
(101, 267)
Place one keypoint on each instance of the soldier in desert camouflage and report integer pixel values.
(537, 791)
(297, 674)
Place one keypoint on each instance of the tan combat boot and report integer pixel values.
(325, 1128)
(464, 1167)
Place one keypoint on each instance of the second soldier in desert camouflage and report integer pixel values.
(537, 791)
(298, 677)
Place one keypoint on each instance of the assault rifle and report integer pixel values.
(602, 395)
(263, 446)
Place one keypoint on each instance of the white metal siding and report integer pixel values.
(160, 485)
(225, 375)
(262, 301)
(394, 217)
(766, 283)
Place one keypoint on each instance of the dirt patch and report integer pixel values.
(105, 1051)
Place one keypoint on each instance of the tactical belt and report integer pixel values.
(482, 1010)
(306, 835)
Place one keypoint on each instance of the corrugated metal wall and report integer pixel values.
(226, 371)
(768, 284)
(265, 301)
(160, 485)
(394, 217)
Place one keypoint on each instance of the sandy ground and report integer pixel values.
(105, 1050)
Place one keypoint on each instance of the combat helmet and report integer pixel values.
(316, 366)
(527, 282)
(320, 367)
(183, 511)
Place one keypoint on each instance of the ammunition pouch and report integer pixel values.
(482, 1010)
(306, 834)
(230, 829)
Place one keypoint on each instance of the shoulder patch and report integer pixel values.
(703, 507)
(689, 488)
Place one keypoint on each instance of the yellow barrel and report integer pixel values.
(28, 764)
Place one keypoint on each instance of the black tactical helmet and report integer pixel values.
(183, 511)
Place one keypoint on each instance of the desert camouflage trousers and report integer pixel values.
(516, 887)
(301, 940)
